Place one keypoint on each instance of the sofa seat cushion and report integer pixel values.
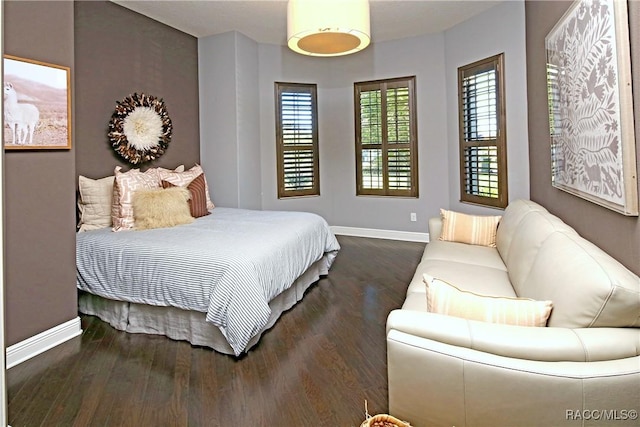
(464, 253)
(473, 278)
(416, 301)
(477, 279)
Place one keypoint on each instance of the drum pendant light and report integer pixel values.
(328, 27)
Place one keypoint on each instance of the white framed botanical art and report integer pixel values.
(591, 122)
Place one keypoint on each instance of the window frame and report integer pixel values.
(382, 85)
(281, 149)
(496, 63)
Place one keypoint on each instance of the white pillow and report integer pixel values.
(444, 298)
(163, 170)
(125, 185)
(94, 203)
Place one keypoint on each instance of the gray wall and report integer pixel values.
(613, 232)
(111, 52)
(218, 117)
(481, 37)
(229, 119)
(119, 52)
(249, 167)
(338, 203)
(431, 58)
(39, 198)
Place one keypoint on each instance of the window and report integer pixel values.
(297, 140)
(483, 150)
(386, 138)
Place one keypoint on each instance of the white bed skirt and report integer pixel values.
(187, 325)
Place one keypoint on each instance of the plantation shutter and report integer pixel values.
(386, 141)
(482, 133)
(371, 139)
(399, 138)
(297, 140)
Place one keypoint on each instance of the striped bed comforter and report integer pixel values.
(229, 265)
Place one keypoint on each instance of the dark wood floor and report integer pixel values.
(315, 367)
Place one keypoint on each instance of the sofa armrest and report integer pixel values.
(436, 384)
(528, 343)
(435, 228)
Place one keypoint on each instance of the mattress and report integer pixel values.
(227, 265)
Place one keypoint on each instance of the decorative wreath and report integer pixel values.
(140, 128)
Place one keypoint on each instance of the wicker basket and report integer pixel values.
(383, 420)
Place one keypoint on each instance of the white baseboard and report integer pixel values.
(409, 236)
(42, 342)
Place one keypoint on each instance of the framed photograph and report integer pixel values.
(37, 105)
(593, 149)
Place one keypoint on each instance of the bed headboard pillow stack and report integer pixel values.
(107, 202)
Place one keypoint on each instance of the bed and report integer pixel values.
(220, 281)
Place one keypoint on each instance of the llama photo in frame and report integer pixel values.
(591, 122)
(37, 105)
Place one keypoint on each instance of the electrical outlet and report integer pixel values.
(414, 218)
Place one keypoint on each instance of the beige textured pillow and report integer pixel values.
(94, 203)
(157, 208)
(182, 179)
(471, 229)
(126, 183)
(444, 298)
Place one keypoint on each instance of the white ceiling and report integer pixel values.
(265, 21)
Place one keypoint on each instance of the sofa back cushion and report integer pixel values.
(529, 236)
(546, 259)
(510, 222)
(588, 287)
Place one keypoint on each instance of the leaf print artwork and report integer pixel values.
(590, 131)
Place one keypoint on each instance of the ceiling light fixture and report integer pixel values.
(328, 27)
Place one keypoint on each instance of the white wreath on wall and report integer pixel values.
(140, 128)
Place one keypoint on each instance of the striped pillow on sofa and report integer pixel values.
(444, 298)
(470, 229)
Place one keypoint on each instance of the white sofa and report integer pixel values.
(582, 369)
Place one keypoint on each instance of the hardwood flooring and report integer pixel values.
(315, 367)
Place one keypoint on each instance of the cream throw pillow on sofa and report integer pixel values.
(158, 208)
(470, 229)
(444, 298)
